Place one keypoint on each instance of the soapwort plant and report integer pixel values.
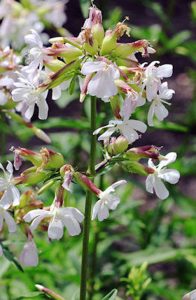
(109, 71)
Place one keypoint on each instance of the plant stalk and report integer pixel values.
(88, 204)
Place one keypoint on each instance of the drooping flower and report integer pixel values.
(29, 255)
(59, 218)
(107, 201)
(28, 94)
(5, 216)
(11, 195)
(36, 52)
(102, 84)
(161, 173)
(157, 108)
(153, 76)
(131, 102)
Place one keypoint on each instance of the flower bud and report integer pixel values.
(51, 159)
(67, 173)
(109, 42)
(54, 65)
(41, 135)
(29, 254)
(95, 17)
(117, 145)
(135, 167)
(86, 183)
(98, 33)
(32, 177)
(48, 292)
(34, 157)
(143, 152)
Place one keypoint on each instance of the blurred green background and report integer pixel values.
(143, 229)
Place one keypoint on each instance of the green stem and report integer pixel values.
(96, 238)
(88, 204)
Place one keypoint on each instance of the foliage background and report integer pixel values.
(142, 229)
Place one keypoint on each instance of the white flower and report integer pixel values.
(154, 181)
(7, 83)
(36, 53)
(128, 128)
(153, 76)
(29, 254)
(132, 100)
(102, 84)
(190, 296)
(56, 14)
(107, 200)
(157, 108)
(11, 195)
(56, 92)
(68, 217)
(28, 94)
(5, 216)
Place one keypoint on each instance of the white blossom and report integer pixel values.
(157, 108)
(29, 255)
(153, 76)
(5, 216)
(107, 201)
(102, 83)
(59, 218)
(36, 52)
(131, 102)
(161, 173)
(11, 195)
(128, 128)
(28, 94)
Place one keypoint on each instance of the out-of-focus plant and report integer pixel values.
(137, 281)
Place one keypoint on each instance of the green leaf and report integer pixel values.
(111, 296)
(171, 126)
(63, 123)
(66, 98)
(9, 255)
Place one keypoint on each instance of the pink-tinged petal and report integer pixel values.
(96, 209)
(114, 186)
(35, 223)
(56, 93)
(113, 201)
(77, 214)
(3, 184)
(106, 134)
(165, 71)
(71, 225)
(99, 129)
(67, 181)
(29, 255)
(160, 111)
(160, 189)
(29, 111)
(43, 109)
(102, 85)
(164, 92)
(55, 229)
(151, 89)
(151, 113)
(3, 98)
(129, 133)
(33, 214)
(103, 212)
(92, 66)
(11, 224)
(15, 195)
(150, 183)
(137, 125)
(7, 199)
(151, 164)
(9, 168)
(170, 175)
(168, 159)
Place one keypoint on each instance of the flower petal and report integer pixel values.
(160, 189)
(10, 222)
(55, 229)
(170, 175)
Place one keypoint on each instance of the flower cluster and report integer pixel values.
(104, 68)
(19, 17)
